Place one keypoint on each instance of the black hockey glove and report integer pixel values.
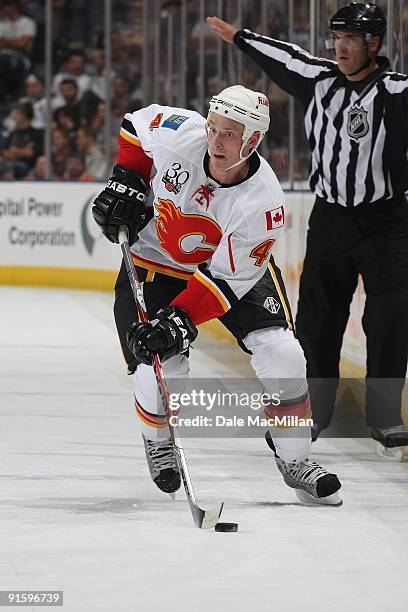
(169, 334)
(122, 203)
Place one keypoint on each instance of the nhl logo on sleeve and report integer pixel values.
(357, 123)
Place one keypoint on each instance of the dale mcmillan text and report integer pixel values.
(235, 421)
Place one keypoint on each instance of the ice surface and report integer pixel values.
(79, 513)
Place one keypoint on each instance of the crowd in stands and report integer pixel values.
(276, 25)
(78, 103)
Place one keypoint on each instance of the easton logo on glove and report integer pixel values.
(124, 189)
(122, 204)
(182, 329)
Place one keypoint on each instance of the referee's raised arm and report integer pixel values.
(289, 66)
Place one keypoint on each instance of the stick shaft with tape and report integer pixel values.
(205, 519)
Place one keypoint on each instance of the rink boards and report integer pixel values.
(48, 238)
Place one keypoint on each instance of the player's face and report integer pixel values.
(224, 141)
(350, 49)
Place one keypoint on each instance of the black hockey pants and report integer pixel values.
(371, 240)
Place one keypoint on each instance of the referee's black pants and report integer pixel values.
(371, 240)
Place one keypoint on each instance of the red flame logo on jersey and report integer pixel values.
(173, 227)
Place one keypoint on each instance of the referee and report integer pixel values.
(356, 119)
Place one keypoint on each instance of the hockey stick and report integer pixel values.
(204, 519)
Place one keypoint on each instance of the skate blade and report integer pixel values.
(330, 500)
(396, 453)
(172, 496)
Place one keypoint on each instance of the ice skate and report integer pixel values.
(162, 464)
(312, 483)
(391, 442)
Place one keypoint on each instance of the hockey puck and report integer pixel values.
(226, 527)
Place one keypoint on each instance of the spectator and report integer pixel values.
(6, 173)
(75, 170)
(98, 78)
(61, 150)
(302, 25)
(252, 77)
(24, 143)
(213, 85)
(137, 94)
(116, 117)
(120, 57)
(60, 41)
(36, 10)
(68, 116)
(274, 27)
(16, 37)
(34, 90)
(97, 127)
(92, 155)
(74, 69)
(78, 22)
(3, 135)
(97, 90)
(129, 29)
(124, 62)
(33, 8)
(97, 124)
(121, 98)
(38, 172)
(68, 93)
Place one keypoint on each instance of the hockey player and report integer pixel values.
(356, 113)
(205, 254)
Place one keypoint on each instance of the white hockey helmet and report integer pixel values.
(251, 108)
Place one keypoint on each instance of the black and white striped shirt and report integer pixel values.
(357, 131)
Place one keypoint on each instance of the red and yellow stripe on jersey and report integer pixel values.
(202, 299)
(131, 154)
(153, 266)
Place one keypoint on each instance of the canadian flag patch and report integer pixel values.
(275, 218)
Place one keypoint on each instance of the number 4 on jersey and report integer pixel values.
(261, 252)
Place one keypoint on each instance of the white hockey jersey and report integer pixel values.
(217, 236)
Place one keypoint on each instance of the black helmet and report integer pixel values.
(359, 17)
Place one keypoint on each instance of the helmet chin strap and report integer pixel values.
(241, 159)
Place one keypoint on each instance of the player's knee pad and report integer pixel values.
(147, 396)
(278, 361)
